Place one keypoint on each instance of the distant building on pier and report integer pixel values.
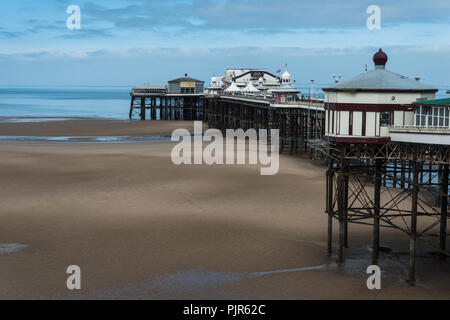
(242, 77)
(179, 99)
(186, 85)
(215, 85)
(286, 92)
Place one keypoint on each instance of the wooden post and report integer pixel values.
(413, 231)
(376, 214)
(444, 211)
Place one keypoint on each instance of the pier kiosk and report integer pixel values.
(180, 99)
(379, 174)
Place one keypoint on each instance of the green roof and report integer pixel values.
(436, 102)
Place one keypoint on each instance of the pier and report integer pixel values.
(298, 122)
(388, 162)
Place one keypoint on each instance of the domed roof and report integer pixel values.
(381, 80)
(286, 75)
(380, 58)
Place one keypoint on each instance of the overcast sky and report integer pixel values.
(129, 42)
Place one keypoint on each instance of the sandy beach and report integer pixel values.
(140, 227)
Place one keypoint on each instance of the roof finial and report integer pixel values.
(380, 59)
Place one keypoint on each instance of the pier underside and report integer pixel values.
(399, 186)
(167, 107)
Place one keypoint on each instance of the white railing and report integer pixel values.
(420, 129)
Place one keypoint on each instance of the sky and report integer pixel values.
(131, 42)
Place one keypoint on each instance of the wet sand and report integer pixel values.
(81, 127)
(141, 227)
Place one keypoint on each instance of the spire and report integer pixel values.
(286, 77)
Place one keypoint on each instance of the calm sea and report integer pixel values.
(92, 102)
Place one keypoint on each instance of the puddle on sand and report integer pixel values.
(208, 284)
(174, 286)
(6, 248)
(319, 267)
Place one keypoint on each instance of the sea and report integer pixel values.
(65, 102)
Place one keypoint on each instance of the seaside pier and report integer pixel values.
(184, 99)
(385, 138)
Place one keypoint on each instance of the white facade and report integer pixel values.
(369, 124)
(431, 124)
(362, 109)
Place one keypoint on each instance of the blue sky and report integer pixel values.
(129, 42)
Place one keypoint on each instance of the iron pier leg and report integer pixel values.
(376, 214)
(346, 206)
(413, 232)
(330, 209)
(444, 210)
(341, 205)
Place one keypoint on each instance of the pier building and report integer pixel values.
(180, 99)
(215, 86)
(362, 109)
(431, 124)
(243, 76)
(387, 143)
(286, 93)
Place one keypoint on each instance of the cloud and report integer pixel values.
(86, 33)
(9, 34)
(264, 15)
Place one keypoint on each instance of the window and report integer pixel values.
(435, 117)
(187, 90)
(432, 117)
(440, 117)
(446, 117)
(421, 114)
(387, 118)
